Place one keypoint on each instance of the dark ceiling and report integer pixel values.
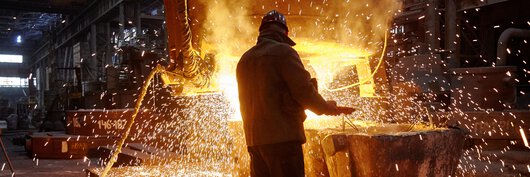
(30, 19)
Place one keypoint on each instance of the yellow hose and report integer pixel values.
(130, 123)
(371, 75)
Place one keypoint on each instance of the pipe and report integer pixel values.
(143, 91)
(504, 39)
(7, 158)
(195, 68)
(452, 42)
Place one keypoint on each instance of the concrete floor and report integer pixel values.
(495, 163)
(28, 167)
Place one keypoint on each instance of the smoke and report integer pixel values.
(324, 30)
(360, 24)
(228, 27)
(363, 23)
(231, 26)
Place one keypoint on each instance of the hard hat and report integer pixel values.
(274, 16)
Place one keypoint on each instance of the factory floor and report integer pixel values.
(495, 163)
(26, 166)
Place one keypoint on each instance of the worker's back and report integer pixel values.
(270, 114)
(274, 89)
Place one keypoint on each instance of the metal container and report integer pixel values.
(62, 146)
(395, 152)
(483, 88)
(107, 122)
(372, 151)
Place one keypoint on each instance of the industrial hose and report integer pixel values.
(128, 126)
(198, 70)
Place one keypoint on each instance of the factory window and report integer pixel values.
(13, 82)
(398, 29)
(10, 58)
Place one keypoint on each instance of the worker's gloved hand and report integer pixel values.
(338, 110)
(345, 110)
(333, 110)
(332, 103)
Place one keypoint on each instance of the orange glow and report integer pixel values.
(327, 57)
(227, 82)
(323, 57)
(331, 39)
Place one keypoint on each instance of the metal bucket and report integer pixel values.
(372, 151)
(394, 151)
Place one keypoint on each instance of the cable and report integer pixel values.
(114, 157)
(371, 75)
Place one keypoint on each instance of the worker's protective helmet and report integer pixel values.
(274, 16)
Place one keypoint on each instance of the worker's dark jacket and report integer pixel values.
(274, 90)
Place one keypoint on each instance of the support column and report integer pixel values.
(121, 21)
(93, 52)
(452, 42)
(433, 26)
(138, 15)
(110, 47)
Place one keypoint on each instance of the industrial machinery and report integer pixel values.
(418, 71)
(203, 48)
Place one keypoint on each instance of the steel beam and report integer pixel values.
(44, 6)
(452, 41)
(91, 16)
(432, 24)
(471, 4)
(92, 63)
(93, 13)
(121, 22)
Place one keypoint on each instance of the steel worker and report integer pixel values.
(274, 90)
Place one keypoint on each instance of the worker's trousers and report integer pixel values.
(277, 160)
